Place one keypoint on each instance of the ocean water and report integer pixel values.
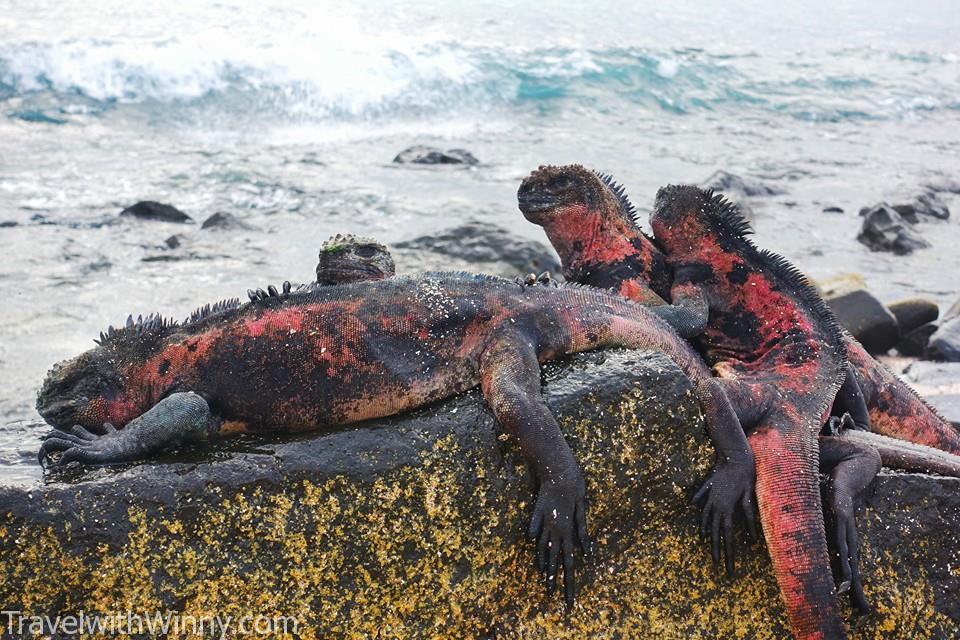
(288, 114)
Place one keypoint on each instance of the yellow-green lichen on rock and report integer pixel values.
(414, 528)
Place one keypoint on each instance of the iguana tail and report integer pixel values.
(908, 456)
(896, 410)
(792, 518)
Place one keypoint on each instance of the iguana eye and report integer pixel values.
(365, 251)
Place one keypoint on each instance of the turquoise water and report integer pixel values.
(288, 114)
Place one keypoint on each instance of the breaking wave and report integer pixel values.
(354, 78)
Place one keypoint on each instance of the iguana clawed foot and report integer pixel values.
(559, 523)
(848, 550)
(835, 426)
(83, 446)
(730, 485)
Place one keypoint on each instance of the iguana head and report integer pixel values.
(582, 212)
(94, 387)
(82, 391)
(691, 221)
(349, 258)
(551, 193)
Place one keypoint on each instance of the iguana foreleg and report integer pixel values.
(689, 312)
(510, 374)
(178, 417)
(852, 466)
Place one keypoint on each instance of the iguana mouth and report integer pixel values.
(535, 203)
(354, 273)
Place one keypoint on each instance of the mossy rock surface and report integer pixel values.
(414, 528)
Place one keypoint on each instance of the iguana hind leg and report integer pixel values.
(852, 467)
(510, 375)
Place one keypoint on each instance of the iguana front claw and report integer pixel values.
(559, 522)
(730, 486)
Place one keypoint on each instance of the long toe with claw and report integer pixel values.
(728, 488)
(559, 526)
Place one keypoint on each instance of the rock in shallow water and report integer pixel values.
(149, 210)
(414, 527)
(913, 313)
(914, 343)
(419, 154)
(223, 221)
(491, 248)
(885, 230)
(925, 205)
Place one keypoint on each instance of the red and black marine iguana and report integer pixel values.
(340, 354)
(781, 354)
(592, 224)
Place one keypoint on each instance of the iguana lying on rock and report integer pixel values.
(849, 459)
(340, 354)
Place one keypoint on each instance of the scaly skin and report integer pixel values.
(774, 338)
(592, 226)
(334, 355)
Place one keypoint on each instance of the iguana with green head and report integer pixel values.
(323, 356)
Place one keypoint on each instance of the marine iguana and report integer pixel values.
(782, 355)
(851, 460)
(592, 225)
(340, 354)
(348, 258)
(590, 221)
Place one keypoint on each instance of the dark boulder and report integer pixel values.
(417, 524)
(913, 313)
(833, 209)
(927, 204)
(419, 154)
(478, 246)
(945, 342)
(885, 230)
(223, 221)
(727, 182)
(867, 320)
(7, 223)
(914, 343)
(149, 210)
